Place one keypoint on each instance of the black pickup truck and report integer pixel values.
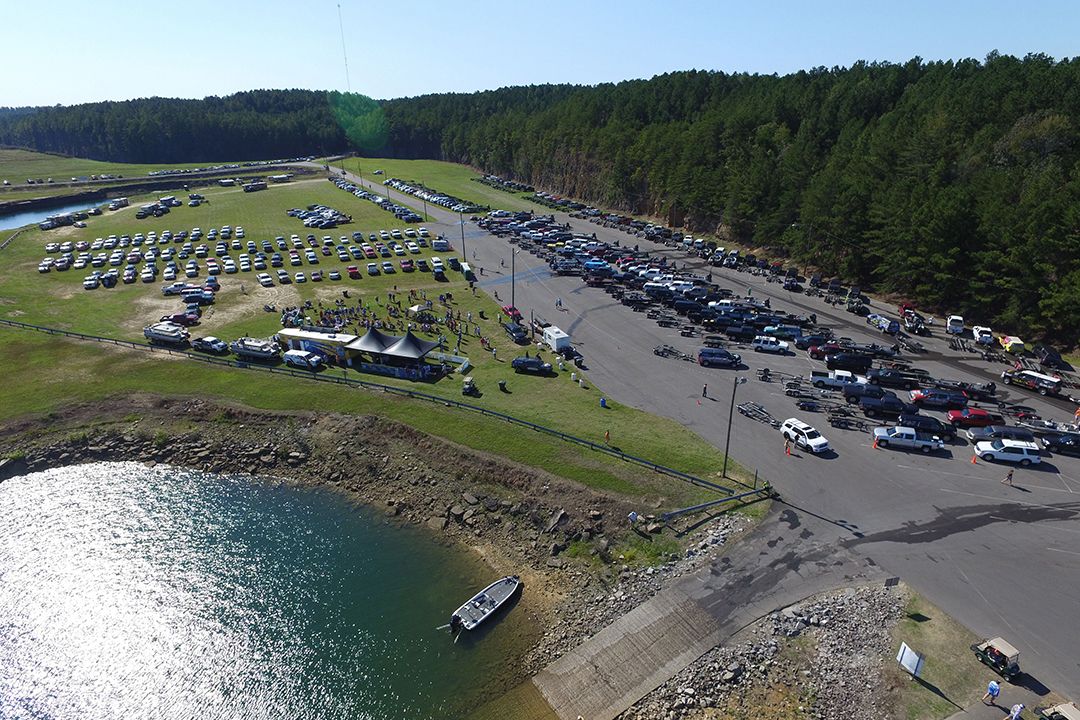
(888, 377)
(887, 406)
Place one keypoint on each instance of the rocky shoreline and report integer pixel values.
(563, 539)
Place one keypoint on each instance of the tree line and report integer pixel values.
(953, 184)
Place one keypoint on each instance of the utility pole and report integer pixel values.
(461, 222)
(513, 258)
(731, 415)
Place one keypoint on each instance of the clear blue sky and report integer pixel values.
(71, 51)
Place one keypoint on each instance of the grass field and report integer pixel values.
(449, 178)
(17, 166)
(46, 372)
(951, 679)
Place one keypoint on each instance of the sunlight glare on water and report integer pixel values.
(128, 592)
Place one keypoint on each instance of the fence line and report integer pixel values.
(401, 392)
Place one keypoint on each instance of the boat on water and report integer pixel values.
(483, 604)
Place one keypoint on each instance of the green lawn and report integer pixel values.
(47, 372)
(450, 178)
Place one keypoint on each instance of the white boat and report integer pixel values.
(483, 604)
(247, 347)
(166, 332)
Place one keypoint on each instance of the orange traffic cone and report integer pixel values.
(875, 444)
(974, 459)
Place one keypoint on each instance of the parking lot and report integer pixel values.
(979, 549)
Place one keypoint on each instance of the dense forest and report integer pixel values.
(955, 184)
(256, 125)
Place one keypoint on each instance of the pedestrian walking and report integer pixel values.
(705, 390)
(1008, 479)
(494, 354)
(607, 439)
(992, 692)
(1014, 713)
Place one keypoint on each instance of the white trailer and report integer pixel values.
(556, 339)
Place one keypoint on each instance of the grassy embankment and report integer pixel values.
(450, 178)
(46, 372)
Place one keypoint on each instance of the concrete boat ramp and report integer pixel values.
(782, 562)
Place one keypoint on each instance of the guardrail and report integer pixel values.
(401, 392)
(13, 236)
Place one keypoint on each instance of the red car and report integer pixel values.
(818, 352)
(513, 312)
(185, 319)
(973, 417)
(354, 272)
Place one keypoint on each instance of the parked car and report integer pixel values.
(934, 399)
(854, 362)
(973, 417)
(928, 424)
(533, 365)
(1015, 451)
(887, 406)
(184, 319)
(765, 343)
(718, 357)
(805, 342)
(907, 438)
(264, 280)
(854, 392)
(516, 333)
(1040, 383)
(1062, 443)
(210, 344)
(1000, 432)
(804, 436)
(887, 377)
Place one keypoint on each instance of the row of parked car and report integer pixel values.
(433, 196)
(405, 214)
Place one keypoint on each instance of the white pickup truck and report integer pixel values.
(834, 379)
(765, 343)
(905, 437)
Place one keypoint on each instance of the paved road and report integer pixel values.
(1001, 560)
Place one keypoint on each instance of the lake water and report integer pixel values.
(27, 217)
(128, 592)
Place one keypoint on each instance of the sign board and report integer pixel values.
(909, 660)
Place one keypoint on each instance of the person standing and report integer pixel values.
(1008, 479)
(1014, 713)
(992, 692)
(705, 390)
(787, 445)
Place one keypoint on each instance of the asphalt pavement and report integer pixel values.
(1002, 560)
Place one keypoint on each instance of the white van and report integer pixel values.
(955, 325)
(302, 359)
(982, 334)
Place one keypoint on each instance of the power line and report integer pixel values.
(341, 26)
